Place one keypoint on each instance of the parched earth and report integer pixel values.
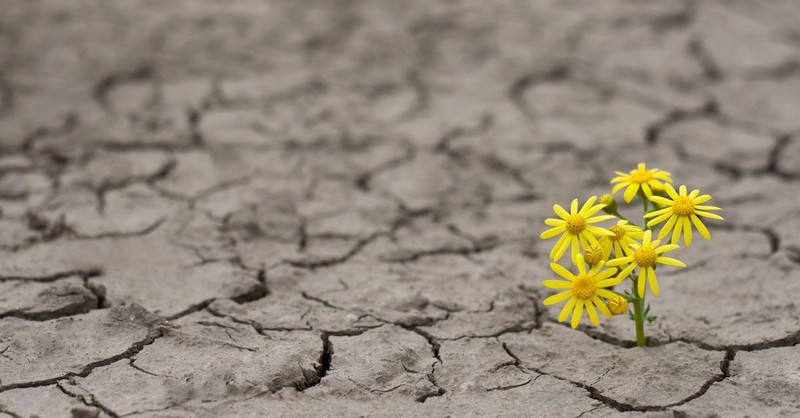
(332, 208)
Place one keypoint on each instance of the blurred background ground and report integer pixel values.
(259, 208)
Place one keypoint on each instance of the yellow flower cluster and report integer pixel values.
(591, 246)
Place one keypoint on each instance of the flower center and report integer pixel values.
(618, 231)
(575, 224)
(641, 176)
(683, 206)
(593, 254)
(584, 287)
(644, 257)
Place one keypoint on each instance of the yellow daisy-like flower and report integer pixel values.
(583, 290)
(646, 256)
(682, 211)
(574, 227)
(648, 180)
(625, 236)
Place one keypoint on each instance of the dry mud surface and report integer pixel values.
(331, 208)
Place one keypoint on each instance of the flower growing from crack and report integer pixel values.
(583, 290)
(681, 212)
(641, 177)
(618, 305)
(625, 236)
(574, 227)
(645, 256)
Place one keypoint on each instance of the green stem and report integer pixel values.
(638, 316)
(644, 204)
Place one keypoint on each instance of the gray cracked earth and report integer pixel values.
(331, 208)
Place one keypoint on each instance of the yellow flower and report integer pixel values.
(583, 290)
(641, 177)
(618, 305)
(680, 210)
(645, 256)
(625, 236)
(574, 227)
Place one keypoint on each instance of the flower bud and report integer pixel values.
(593, 254)
(618, 305)
(611, 204)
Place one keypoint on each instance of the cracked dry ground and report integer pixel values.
(330, 208)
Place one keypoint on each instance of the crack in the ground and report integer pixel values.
(66, 125)
(620, 406)
(80, 306)
(113, 235)
(257, 292)
(134, 349)
(515, 386)
(363, 181)
(54, 276)
(518, 88)
(89, 400)
(675, 116)
(163, 172)
(711, 71)
(103, 89)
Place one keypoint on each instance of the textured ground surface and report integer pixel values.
(331, 207)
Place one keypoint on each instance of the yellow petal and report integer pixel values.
(586, 205)
(601, 306)
(676, 234)
(554, 252)
(641, 282)
(670, 191)
(605, 274)
(646, 237)
(594, 209)
(606, 293)
(563, 245)
(651, 278)
(566, 309)
(592, 313)
(665, 248)
(619, 261)
(630, 192)
(620, 186)
(558, 297)
(560, 211)
(709, 215)
(687, 231)
(646, 189)
(599, 218)
(661, 218)
(700, 227)
(661, 201)
(577, 313)
(557, 284)
(654, 213)
(563, 272)
(702, 199)
(667, 227)
(670, 261)
(550, 233)
(555, 222)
